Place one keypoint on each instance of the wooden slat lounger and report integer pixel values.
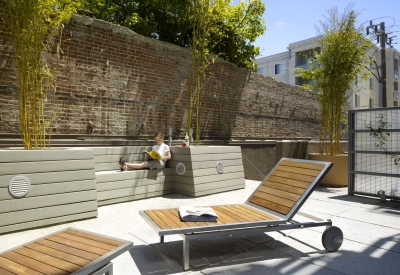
(271, 207)
(70, 251)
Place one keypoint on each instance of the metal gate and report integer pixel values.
(374, 152)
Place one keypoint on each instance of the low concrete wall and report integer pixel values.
(62, 187)
(260, 157)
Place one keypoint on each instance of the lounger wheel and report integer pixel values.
(332, 238)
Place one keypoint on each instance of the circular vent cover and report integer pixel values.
(220, 167)
(180, 168)
(19, 186)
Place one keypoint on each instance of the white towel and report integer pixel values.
(197, 214)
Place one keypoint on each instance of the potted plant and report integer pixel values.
(332, 76)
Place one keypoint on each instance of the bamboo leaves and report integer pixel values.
(340, 61)
(30, 23)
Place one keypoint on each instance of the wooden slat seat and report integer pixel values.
(231, 214)
(271, 206)
(70, 251)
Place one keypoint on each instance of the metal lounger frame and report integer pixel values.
(282, 222)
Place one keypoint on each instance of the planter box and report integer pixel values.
(62, 187)
(201, 176)
(338, 175)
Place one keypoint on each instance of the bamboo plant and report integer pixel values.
(200, 20)
(332, 74)
(204, 16)
(31, 24)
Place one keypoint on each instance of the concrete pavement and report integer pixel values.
(371, 245)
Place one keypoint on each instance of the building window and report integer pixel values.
(371, 103)
(299, 81)
(280, 68)
(371, 83)
(357, 101)
(395, 103)
(357, 80)
(261, 70)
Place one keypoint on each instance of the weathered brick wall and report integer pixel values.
(126, 84)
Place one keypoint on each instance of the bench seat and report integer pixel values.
(115, 186)
(200, 177)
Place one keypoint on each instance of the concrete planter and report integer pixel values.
(205, 170)
(338, 175)
(44, 187)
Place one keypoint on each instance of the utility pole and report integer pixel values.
(383, 63)
(381, 37)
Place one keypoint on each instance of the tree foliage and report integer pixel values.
(234, 27)
(342, 59)
(30, 23)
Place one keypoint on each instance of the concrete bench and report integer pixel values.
(192, 171)
(114, 186)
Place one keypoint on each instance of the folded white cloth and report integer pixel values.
(197, 214)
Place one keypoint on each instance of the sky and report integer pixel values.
(289, 21)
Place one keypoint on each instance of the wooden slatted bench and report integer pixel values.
(70, 251)
(271, 207)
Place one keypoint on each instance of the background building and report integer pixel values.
(366, 95)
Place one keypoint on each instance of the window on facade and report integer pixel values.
(356, 100)
(395, 103)
(371, 103)
(300, 81)
(261, 70)
(357, 81)
(280, 68)
(371, 83)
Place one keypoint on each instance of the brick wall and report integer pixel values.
(126, 84)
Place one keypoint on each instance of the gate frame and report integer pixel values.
(352, 152)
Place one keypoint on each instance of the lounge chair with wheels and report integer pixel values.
(271, 207)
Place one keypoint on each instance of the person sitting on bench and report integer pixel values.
(160, 147)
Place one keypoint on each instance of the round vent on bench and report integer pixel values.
(220, 167)
(19, 186)
(180, 168)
